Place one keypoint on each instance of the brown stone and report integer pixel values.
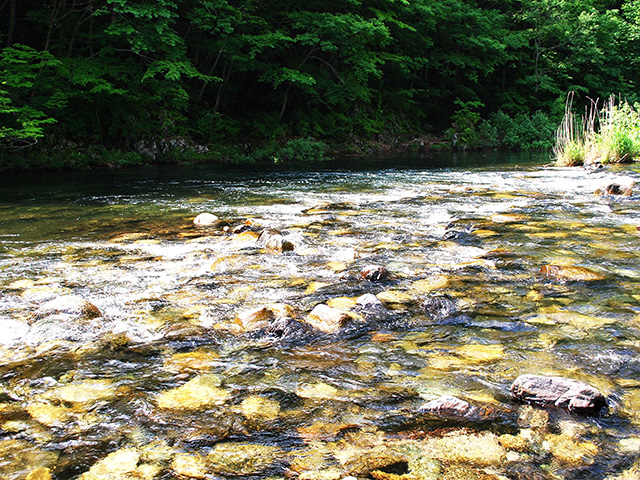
(581, 274)
(572, 395)
(374, 273)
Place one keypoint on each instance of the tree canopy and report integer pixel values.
(117, 72)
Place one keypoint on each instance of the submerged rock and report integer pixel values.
(121, 464)
(374, 273)
(199, 392)
(242, 459)
(189, 465)
(72, 305)
(395, 299)
(273, 242)
(560, 392)
(580, 274)
(260, 408)
(19, 458)
(87, 391)
(620, 186)
(449, 406)
(439, 307)
(205, 219)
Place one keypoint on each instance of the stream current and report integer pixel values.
(166, 375)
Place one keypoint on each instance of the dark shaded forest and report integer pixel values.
(126, 81)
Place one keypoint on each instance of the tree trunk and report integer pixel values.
(12, 22)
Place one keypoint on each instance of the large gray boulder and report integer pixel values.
(572, 395)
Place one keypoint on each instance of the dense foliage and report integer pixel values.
(135, 75)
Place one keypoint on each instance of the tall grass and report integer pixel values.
(610, 134)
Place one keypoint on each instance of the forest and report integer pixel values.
(86, 82)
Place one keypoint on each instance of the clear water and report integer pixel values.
(78, 392)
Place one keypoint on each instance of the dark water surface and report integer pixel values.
(171, 379)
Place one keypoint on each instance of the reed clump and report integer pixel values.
(610, 134)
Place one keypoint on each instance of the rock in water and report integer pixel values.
(374, 273)
(560, 392)
(328, 319)
(449, 406)
(572, 273)
(439, 307)
(621, 186)
(369, 306)
(71, 305)
(205, 219)
(274, 242)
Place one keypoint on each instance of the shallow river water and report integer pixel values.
(197, 356)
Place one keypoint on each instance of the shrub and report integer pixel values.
(303, 150)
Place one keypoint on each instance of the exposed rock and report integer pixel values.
(157, 147)
(370, 306)
(255, 319)
(580, 274)
(327, 319)
(439, 307)
(271, 319)
(273, 242)
(205, 220)
(375, 273)
(72, 305)
(241, 228)
(288, 328)
(449, 406)
(560, 392)
(621, 186)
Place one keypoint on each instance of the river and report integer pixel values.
(193, 355)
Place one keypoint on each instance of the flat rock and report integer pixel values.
(449, 406)
(574, 273)
(572, 395)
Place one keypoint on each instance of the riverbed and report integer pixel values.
(194, 355)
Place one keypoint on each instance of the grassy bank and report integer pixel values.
(610, 134)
